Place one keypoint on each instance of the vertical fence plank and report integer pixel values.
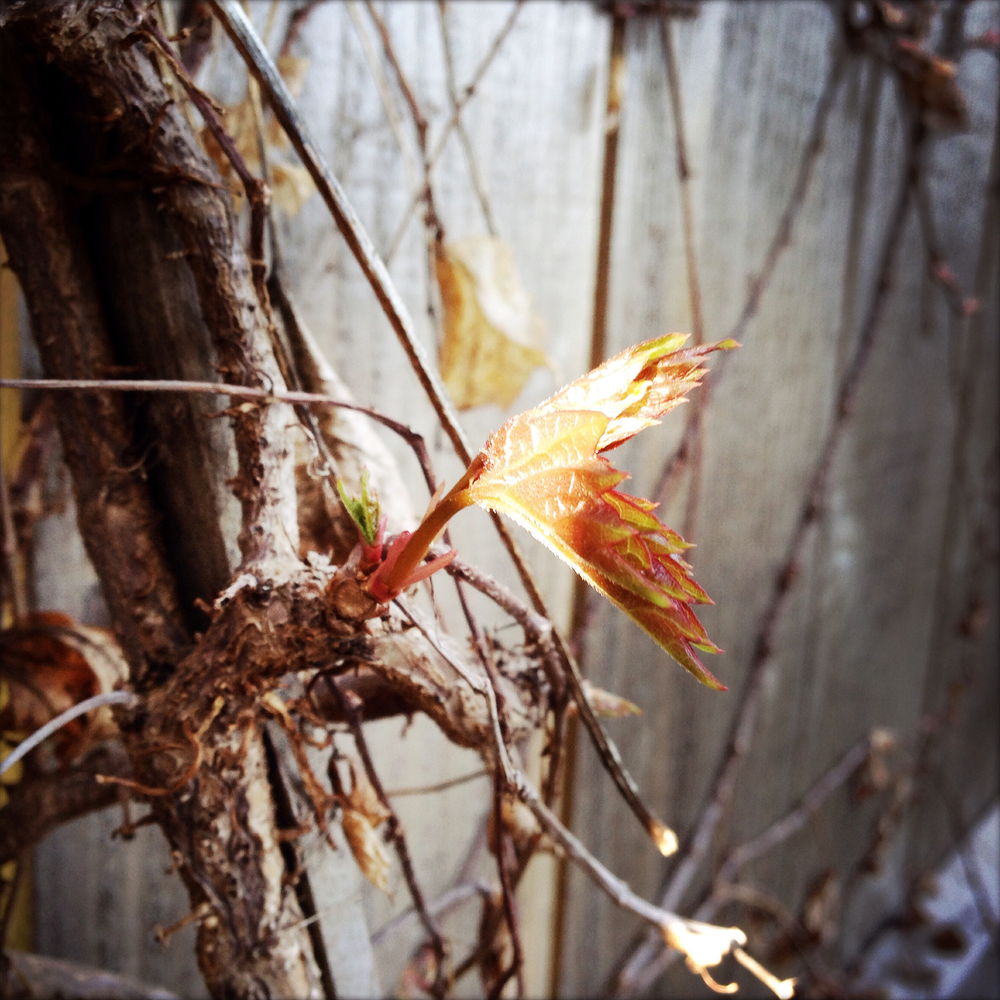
(851, 649)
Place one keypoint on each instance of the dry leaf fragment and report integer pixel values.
(291, 186)
(364, 799)
(492, 336)
(363, 813)
(367, 847)
(52, 663)
(608, 705)
(293, 71)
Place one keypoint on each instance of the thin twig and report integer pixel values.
(961, 305)
(81, 708)
(498, 710)
(433, 229)
(551, 641)
(419, 121)
(430, 634)
(443, 904)
(507, 895)
(257, 192)
(669, 476)
(741, 731)
(411, 437)
(684, 178)
(536, 626)
(691, 260)
(295, 25)
(615, 888)
(797, 817)
(394, 829)
(463, 135)
(382, 85)
(440, 786)
(463, 98)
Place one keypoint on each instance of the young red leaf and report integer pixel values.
(637, 387)
(544, 469)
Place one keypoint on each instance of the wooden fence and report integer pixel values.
(841, 487)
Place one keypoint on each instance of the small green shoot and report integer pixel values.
(364, 510)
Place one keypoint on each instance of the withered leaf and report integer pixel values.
(367, 847)
(363, 813)
(51, 663)
(608, 705)
(492, 336)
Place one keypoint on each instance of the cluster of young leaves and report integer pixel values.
(545, 468)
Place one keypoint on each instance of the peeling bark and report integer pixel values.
(118, 521)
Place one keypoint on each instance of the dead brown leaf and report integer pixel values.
(51, 663)
(608, 705)
(363, 813)
(492, 336)
(367, 847)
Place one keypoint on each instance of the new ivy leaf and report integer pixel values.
(545, 469)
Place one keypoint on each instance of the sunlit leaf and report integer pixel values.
(492, 336)
(544, 469)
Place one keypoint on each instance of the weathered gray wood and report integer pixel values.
(852, 651)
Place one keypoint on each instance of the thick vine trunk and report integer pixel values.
(104, 156)
(128, 254)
